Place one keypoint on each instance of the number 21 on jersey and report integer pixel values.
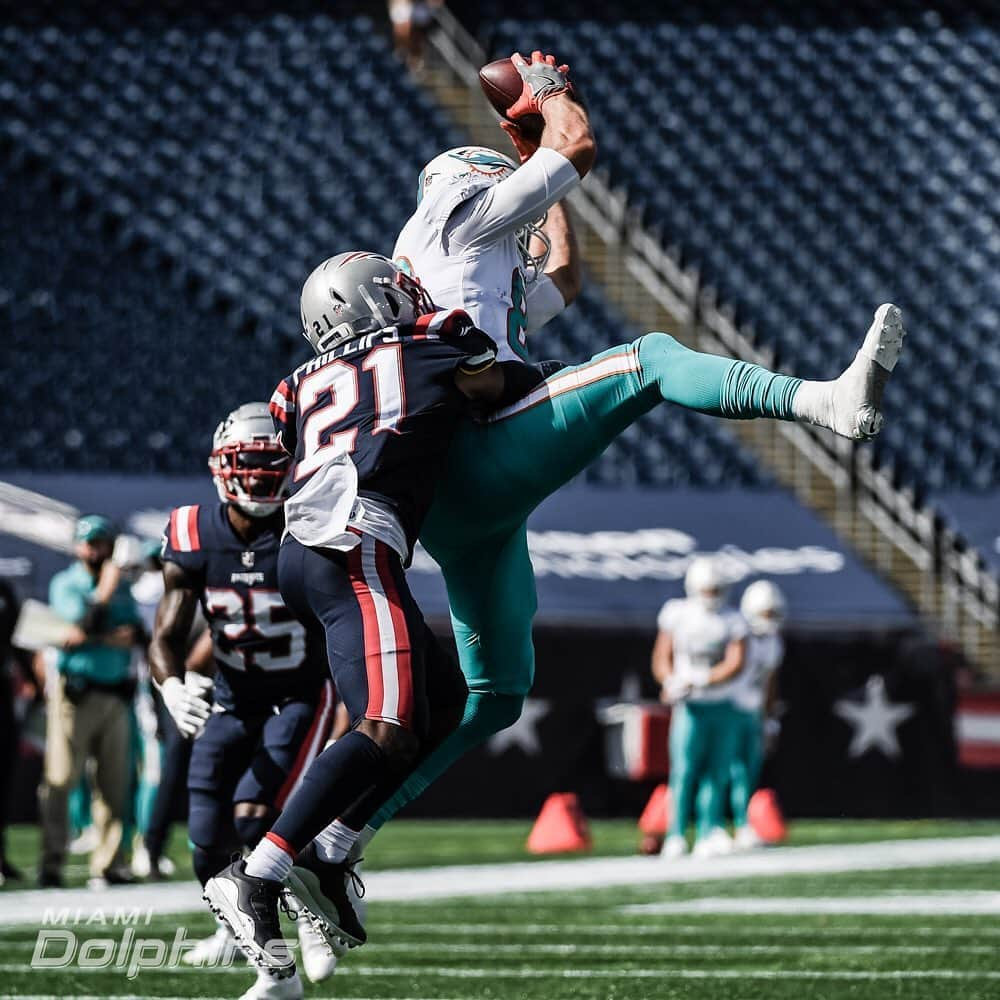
(340, 379)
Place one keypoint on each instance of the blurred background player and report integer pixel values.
(369, 421)
(88, 704)
(753, 697)
(700, 649)
(410, 20)
(271, 708)
(9, 728)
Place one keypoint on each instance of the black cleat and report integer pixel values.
(50, 878)
(320, 889)
(10, 873)
(249, 908)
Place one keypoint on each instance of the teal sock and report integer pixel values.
(485, 714)
(752, 391)
(710, 384)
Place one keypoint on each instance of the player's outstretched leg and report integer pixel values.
(499, 472)
(502, 470)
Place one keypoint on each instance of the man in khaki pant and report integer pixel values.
(88, 704)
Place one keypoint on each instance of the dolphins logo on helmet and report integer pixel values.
(481, 167)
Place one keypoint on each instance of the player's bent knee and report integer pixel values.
(399, 745)
(252, 820)
(657, 346)
(490, 713)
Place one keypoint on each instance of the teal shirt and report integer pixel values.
(70, 596)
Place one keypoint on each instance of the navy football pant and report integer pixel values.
(374, 630)
(258, 759)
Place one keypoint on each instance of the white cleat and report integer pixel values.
(270, 987)
(746, 839)
(857, 394)
(214, 950)
(318, 959)
(674, 847)
(713, 845)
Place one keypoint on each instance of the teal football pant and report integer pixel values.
(500, 471)
(701, 745)
(747, 758)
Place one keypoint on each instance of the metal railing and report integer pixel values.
(956, 589)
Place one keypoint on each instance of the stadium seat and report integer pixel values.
(158, 225)
(812, 161)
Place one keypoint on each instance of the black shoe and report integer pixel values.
(10, 873)
(120, 875)
(249, 908)
(320, 888)
(50, 878)
(156, 873)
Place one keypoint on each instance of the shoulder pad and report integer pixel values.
(182, 533)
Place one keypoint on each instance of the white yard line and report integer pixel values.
(755, 930)
(451, 972)
(897, 903)
(465, 881)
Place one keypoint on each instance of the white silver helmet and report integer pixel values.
(479, 167)
(356, 293)
(705, 583)
(763, 606)
(249, 467)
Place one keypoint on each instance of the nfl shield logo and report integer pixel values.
(247, 559)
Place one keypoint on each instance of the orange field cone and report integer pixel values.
(765, 816)
(654, 818)
(561, 826)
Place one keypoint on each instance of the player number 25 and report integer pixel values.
(341, 379)
(257, 621)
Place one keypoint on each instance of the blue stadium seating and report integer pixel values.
(168, 183)
(813, 160)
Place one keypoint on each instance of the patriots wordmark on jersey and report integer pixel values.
(380, 411)
(262, 652)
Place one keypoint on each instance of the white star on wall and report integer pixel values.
(874, 721)
(524, 732)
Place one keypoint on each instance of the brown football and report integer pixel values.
(502, 86)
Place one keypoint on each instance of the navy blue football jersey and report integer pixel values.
(263, 654)
(389, 401)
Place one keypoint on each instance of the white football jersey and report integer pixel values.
(700, 637)
(461, 243)
(764, 656)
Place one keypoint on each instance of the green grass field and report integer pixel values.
(593, 944)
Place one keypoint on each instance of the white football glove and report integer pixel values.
(186, 704)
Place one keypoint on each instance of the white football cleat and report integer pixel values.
(713, 845)
(270, 987)
(85, 842)
(746, 839)
(674, 847)
(210, 951)
(318, 959)
(857, 394)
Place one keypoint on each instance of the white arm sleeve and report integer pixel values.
(497, 211)
(545, 301)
